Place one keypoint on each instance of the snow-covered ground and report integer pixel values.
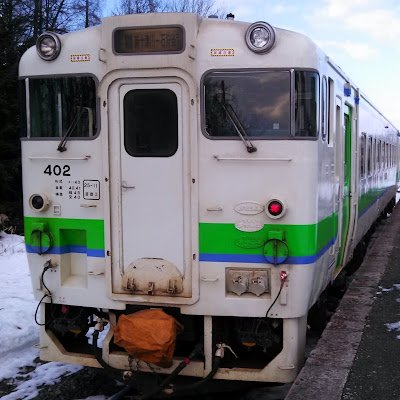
(19, 335)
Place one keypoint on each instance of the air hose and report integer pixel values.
(199, 384)
(219, 355)
(115, 373)
(173, 374)
(165, 382)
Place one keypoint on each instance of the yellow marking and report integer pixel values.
(222, 52)
(80, 57)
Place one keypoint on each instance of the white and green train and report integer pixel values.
(221, 171)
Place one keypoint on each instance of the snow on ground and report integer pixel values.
(18, 332)
(394, 326)
(17, 307)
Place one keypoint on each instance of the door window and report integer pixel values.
(151, 123)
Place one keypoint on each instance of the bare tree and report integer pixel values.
(137, 7)
(201, 7)
(87, 12)
(21, 22)
(60, 15)
(13, 27)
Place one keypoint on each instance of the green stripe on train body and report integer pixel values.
(302, 240)
(367, 199)
(67, 232)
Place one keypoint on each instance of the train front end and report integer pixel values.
(175, 178)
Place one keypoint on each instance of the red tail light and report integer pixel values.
(275, 208)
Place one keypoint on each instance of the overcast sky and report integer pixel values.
(361, 36)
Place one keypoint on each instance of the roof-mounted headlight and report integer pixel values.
(48, 46)
(260, 37)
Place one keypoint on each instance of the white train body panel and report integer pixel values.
(187, 226)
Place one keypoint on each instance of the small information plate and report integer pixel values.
(91, 190)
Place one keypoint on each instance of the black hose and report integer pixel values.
(197, 385)
(46, 267)
(276, 298)
(183, 389)
(115, 373)
(124, 391)
(165, 382)
(153, 392)
(173, 374)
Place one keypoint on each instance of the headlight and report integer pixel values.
(48, 46)
(39, 202)
(260, 37)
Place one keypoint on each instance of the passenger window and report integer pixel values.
(151, 123)
(383, 156)
(369, 157)
(378, 155)
(387, 155)
(324, 109)
(362, 155)
(331, 104)
(306, 103)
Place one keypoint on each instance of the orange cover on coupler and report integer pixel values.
(148, 335)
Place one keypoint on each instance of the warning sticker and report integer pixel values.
(222, 52)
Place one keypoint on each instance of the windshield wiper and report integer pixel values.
(230, 112)
(61, 146)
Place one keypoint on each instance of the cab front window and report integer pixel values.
(260, 100)
(61, 107)
(266, 104)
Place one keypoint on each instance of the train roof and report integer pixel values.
(202, 35)
(92, 51)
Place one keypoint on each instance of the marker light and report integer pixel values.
(347, 89)
(48, 46)
(260, 37)
(275, 208)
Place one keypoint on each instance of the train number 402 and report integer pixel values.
(57, 170)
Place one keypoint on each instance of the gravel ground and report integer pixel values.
(90, 382)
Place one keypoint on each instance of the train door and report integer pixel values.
(346, 141)
(151, 192)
